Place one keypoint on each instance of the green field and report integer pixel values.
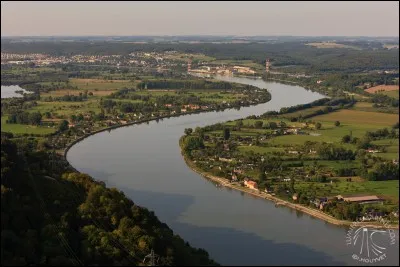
(394, 94)
(347, 116)
(99, 84)
(22, 128)
(387, 189)
(67, 108)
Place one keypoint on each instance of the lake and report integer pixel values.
(8, 91)
(145, 162)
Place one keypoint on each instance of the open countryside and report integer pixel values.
(189, 137)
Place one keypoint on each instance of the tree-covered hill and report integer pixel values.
(53, 217)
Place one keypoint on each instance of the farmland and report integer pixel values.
(310, 157)
(382, 88)
(25, 129)
(93, 84)
(374, 119)
(332, 45)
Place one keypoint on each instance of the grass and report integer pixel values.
(332, 45)
(394, 93)
(259, 149)
(67, 108)
(380, 88)
(386, 189)
(63, 92)
(99, 84)
(22, 128)
(376, 119)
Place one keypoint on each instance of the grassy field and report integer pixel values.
(67, 108)
(22, 128)
(385, 189)
(332, 45)
(383, 88)
(63, 92)
(394, 93)
(92, 84)
(185, 57)
(346, 116)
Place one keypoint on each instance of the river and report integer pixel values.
(144, 161)
(8, 91)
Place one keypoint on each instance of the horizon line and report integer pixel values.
(199, 35)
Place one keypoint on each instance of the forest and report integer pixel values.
(51, 215)
(281, 53)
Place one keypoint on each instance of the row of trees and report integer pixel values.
(23, 117)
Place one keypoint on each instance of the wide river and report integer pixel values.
(8, 91)
(144, 161)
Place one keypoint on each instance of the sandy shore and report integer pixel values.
(313, 212)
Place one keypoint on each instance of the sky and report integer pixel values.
(246, 18)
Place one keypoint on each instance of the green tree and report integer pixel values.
(227, 133)
(239, 124)
(318, 126)
(63, 125)
(337, 123)
(188, 131)
(346, 139)
(258, 124)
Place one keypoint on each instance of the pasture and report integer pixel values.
(346, 116)
(22, 128)
(382, 88)
(99, 84)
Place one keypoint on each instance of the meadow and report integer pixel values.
(24, 129)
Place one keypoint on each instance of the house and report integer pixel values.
(234, 177)
(250, 184)
(361, 199)
(226, 147)
(168, 105)
(295, 196)
(286, 180)
(319, 81)
(372, 151)
(183, 110)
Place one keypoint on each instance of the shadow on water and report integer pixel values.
(229, 244)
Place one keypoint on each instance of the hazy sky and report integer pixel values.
(200, 18)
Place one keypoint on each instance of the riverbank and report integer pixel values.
(313, 212)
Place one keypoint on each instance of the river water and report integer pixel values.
(8, 91)
(144, 161)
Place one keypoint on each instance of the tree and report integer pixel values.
(272, 125)
(291, 186)
(337, 123)
(239, 124)
(227, 133)
(63, 126)
(262, 177)
(188, 131)
(258, 124)
(35, 118)
(318, 126)
(346, 139)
